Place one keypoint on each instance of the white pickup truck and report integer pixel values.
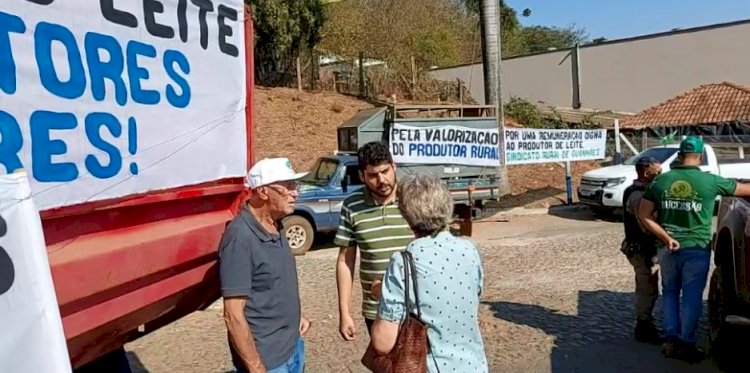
(602, 188)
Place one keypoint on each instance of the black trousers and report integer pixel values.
(369, 322)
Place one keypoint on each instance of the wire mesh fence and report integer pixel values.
(726, 147)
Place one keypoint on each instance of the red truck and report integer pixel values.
(729, 289)
(127, 266)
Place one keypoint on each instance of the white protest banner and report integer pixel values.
(32, 334)
(102, 99)
(445, 145)
(526, 145)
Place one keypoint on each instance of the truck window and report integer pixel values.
(322, 172)
(352, 171)
(704, 160)
(661, 154)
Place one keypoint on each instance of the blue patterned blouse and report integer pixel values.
(449, 276)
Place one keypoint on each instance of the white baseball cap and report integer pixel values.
(271, 170)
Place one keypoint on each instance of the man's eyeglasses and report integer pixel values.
(287, 187)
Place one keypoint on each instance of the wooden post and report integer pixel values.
(413, 73)
(644, 139)
(569, 182)
(460, 91)
(299, 74)
(362, 74)
(313, 69)
(618, 153)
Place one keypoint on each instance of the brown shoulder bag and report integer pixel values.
(409, 355)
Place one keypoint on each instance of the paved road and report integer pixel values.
(558, 298)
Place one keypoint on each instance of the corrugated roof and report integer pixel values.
(706, 104)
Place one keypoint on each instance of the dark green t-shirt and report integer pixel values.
(685, 198)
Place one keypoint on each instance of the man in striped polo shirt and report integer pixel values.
(372, 223)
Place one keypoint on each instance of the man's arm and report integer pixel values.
(345, 263)
(240, 334)
(742, 190)
(236, 275)
(646, 211)
(634, 207)
(345, 276)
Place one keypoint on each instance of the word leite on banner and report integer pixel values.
(445, 145)
(101, 99)
(524, 145)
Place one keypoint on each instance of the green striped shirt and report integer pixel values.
(378, 231)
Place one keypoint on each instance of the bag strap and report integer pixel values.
(407, 285)
(410, 273)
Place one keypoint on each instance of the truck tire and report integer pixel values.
(115, 362)
(299, 234)
(723, 336)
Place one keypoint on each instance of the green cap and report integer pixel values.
(691, 145)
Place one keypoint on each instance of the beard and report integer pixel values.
(383, 190)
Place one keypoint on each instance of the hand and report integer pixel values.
(304, 326)
(346, 328)
(376, 289)
(673, 245)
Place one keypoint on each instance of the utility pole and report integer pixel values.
(489, 13)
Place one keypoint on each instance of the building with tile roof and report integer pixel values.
(708, 104)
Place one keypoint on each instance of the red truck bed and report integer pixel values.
(142, 261)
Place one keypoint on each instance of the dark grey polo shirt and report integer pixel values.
(259, 266)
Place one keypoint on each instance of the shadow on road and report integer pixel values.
(597, 339)
(528, 197)
(585, 213)
(323, 241)
(136, 366)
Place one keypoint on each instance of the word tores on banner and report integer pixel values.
(524, 145)
(445, 145)
(92, 95)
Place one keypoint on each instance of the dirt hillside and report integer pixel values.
(302, 126)
(299, 125)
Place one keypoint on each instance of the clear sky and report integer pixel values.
(616, 19)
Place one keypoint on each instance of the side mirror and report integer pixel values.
(345, 183)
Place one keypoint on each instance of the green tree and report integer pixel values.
(518, 39)
(434, 32)
(283, 28)
(541, 38)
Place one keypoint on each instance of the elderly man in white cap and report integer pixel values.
(259, 278)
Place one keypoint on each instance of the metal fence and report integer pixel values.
(726, 147)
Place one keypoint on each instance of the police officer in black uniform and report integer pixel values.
(639, 246)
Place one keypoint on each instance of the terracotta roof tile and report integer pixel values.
(706, 104)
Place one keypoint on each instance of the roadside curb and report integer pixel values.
(504, 215)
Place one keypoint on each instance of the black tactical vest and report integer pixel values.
(638, 240)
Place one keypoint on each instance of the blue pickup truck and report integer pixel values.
(333, 178)
(321, 194)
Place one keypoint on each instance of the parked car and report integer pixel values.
(602, 188)
(322, 192)
(729, 288)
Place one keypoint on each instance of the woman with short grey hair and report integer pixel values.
(449, 277)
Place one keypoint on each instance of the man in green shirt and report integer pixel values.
(684, 200)
(371, 222)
